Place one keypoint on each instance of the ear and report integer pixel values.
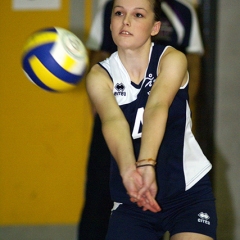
(156, 28)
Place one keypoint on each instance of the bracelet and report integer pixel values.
(146, 162)
(144, 165)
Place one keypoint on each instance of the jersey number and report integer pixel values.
(137, 133)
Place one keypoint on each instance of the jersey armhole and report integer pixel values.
(185, 85)
(105, 70)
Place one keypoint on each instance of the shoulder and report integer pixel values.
(172, 55)
(97, 71)
(97, 77)
(173, 67)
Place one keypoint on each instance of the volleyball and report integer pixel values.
(54, 59)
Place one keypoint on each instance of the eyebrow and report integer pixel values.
(137, 8)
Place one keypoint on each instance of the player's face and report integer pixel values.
(132, 23)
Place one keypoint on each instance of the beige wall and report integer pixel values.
(44, 136)
(227, 129)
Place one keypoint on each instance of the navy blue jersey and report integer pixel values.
(180, 161)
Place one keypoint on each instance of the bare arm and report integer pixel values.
(95, 57)
(173, 75)
(115, 127)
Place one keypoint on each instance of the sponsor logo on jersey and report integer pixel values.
(119, 90)
(149, 82)
(203, 218)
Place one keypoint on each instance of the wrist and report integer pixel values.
(125, 170)
(146, 162)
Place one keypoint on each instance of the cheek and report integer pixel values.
(144, 29)
(114, 30)
(114, 27)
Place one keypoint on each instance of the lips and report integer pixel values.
(125, 32)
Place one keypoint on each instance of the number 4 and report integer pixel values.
(138, 123)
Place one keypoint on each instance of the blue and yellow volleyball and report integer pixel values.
(54, 59)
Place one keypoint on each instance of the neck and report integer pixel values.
(135, 61)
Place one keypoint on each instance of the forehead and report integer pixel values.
(145, 4)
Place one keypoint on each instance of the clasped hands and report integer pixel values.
(141, 187)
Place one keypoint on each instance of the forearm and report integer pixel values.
(154, 123)
(118, 138)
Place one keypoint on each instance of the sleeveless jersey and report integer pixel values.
(180, 161)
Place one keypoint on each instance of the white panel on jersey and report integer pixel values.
(195, 164)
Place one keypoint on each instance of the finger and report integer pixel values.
(149, 207)
(146, 206)
(133, 199)
(146, 195)
(141, 202)
(153, 208)
(150, 199)
(155, 205)
(150, 202)
(142, 192)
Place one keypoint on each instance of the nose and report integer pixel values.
(126, 20)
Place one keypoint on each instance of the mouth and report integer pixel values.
(125, 33)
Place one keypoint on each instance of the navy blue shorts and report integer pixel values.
(193, 211)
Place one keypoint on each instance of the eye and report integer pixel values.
(139, 15)
(118, 13)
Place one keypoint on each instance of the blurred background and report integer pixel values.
(44, 137)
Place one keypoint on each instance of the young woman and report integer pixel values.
(159, 176)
